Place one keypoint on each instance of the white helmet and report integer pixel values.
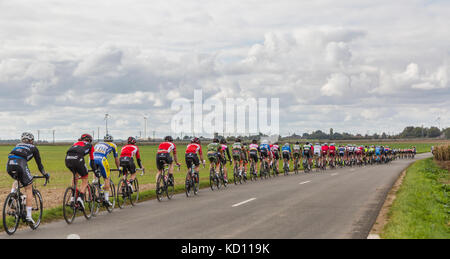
(27, 136)
(265, 141)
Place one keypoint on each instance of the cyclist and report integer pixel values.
(17, 168)
(253, 150)
(332, 153)
(237, 155)
(307, 153)
(287, 154)
(76, 164)
(324, 154)
(342, 153)
(223, 160)
(214, 156)
(377, 153)
(359, 153)
(296, 151)
(317, 151)
(126, 159)
(101, 151)
(163, 157)
(245, 158)
(275, 148)
(265, 153)
(191, 157)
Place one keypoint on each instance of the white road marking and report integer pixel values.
(304, 182)
(334, 174)
(240, 203)
(73, 236)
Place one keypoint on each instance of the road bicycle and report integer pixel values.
(275, 167)
(71, 204)
(286, 167)
(98, 194)
(237, 174)
(296, 165)
(127, 190)
(214, 179)
(306, 165)
(192, 183)
(264, 169)
(165, 184)
(14, 208)
(253, 172)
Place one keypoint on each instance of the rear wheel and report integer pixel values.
(196, 183)
(170, 189)
(11, 214)
(187, 184)
(112, 196)
(37, 209)
(69, 209)
(160, 188)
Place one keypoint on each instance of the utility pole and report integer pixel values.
(153, 135)
(53, 136)
(98, 134)
(106, 121)
(145, 127)
(39, 132)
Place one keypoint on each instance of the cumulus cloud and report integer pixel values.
(347, 68)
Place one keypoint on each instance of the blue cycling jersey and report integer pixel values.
(264, 147)
(286, 149)
(102, 150)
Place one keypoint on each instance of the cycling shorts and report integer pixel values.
(254, 156)
(286, 155)
(163, 159)
(192, 158)
(103, 165)
(127, 164)
(76, 165)
(18, 169)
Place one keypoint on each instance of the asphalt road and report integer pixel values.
(340, 203)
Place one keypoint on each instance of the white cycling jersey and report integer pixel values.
(317, 149)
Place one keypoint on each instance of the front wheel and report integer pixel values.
(122, 193)
(37, 209)
(11, 214)
(112, 196)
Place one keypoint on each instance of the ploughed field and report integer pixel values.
(53, 161)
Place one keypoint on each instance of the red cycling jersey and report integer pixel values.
(324, 149)
(194, 148)
(130, 151)
(82, 148)
(167, 147)
(332, 149)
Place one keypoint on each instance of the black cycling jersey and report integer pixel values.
(27, 152)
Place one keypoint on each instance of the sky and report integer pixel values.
(351, 65)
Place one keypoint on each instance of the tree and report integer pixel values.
(434, 132)
(447, 133)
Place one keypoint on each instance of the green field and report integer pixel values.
(53, 161)
(421, 209)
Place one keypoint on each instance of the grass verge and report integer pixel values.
(421, 209)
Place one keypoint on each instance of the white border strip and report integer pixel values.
(305, 182)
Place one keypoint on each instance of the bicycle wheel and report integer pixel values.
(159, 188)
(170, 189)
(112, 196)
(187, 184)
(196, 183)
(95, 198)
(88, 203)
(235, 174)
(37, 209)
(122, 193)
(69, 208)
(211, 179)
(135, 195)
(11, 213)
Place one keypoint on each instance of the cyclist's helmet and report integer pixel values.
(238, 140)
(131, 140)
(286, 144)
(307, 143)
(333, 144)
(108, 138)
(317, 144)
(27, 136)
(86, 137)
(216, 140)
(222, 141)
(195, 140)
(168, 139)
(254, 141)
(297, 143)
(265, 141)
